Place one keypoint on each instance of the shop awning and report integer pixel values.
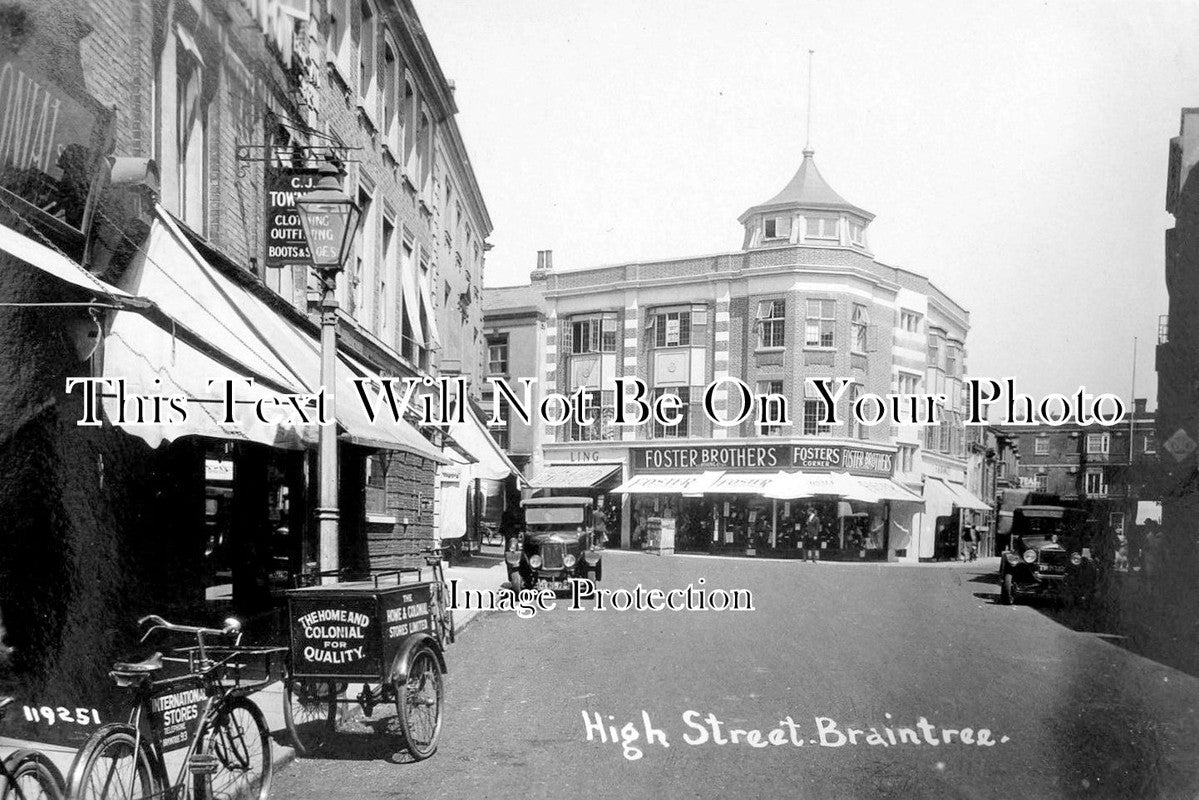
(740, 483)
(966, 498)
(208, 327)
(573, 476)
(690, 483)
(490, 462)
(794, 485)
(938, 491)
(887, 489)
(39, 256)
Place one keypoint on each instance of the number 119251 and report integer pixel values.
(61, 715)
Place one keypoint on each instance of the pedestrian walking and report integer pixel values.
(811, 538)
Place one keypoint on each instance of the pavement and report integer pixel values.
(585, 704)
(481, 571)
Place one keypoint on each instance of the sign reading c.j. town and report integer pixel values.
(761, 457)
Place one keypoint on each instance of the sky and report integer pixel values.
(1014, 152)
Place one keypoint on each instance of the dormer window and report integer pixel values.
(821, 228)
(777, 227)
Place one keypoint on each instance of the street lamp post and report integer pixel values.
(329, 218)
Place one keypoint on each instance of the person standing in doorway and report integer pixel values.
(811, 536)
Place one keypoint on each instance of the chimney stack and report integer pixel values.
(1138, 406)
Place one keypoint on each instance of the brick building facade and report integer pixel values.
(174, 117)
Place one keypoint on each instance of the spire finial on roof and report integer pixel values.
(807, 148)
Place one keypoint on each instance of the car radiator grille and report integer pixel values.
(1054, 558)
(551, 555)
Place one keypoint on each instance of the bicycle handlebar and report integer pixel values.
(232, 627)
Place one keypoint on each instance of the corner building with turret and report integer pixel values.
(804, 298)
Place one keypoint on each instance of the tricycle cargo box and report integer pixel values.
(353, 630)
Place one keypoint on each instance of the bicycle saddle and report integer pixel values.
(127, 672)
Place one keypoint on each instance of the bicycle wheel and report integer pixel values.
(241, 742)
(310, 713)
(109, 768)
(29, 775)
(419, 703)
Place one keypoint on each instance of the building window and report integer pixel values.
(424, 151)
(857, 233)
(368, 65)
(907, 458)
(672, 329)
(1001, 470)
(1096, 482)
(595, 334)
(856, 429)
(597, 406)
(679, 431)
(426, 324)
(952, 360)
(773, 407)
(813, 413)
(858, 326)
(191, 134)
(363, 261)
(1098, 443)
(1041, 446)
(907, 384)
(909, 321)
(385, 287)
(819, 324)
(777, 227)
(497, 355)
(408, 130)
(934, 351)
(1041, 482)
(1115, 521)
(392, 125)
(501, 436)
(821, 228)
(772, 323)
(1150, 445)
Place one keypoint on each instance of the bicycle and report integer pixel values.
(443, 612)
(206, 711)
(28, 774)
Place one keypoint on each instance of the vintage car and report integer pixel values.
(558, 542)
(1050, 554)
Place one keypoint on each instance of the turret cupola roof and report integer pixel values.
(808, 190)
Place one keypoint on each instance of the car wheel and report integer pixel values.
(516, 580)
(1007, 592)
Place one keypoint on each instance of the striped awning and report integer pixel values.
(573, 476)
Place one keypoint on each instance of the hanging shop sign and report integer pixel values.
(286, 244)
(763, 457)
